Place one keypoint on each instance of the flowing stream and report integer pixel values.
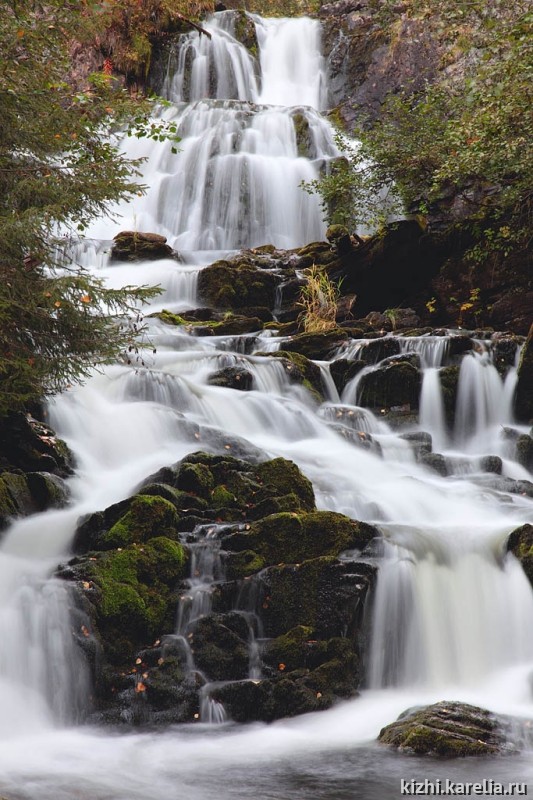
(452, 618)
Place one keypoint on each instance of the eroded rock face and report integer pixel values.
(449, 729)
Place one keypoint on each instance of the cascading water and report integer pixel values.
(451, 617)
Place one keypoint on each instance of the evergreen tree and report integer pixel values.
(58, 168)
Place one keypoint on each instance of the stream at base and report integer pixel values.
(452, 617)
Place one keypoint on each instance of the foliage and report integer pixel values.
(58, 168)
(461, 146)
(132, 27)
(318, 299)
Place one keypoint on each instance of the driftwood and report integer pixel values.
(194, 25)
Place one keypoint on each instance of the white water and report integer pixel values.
(452, 618)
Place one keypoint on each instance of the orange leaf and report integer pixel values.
(140, 687)
(85, 298)
(20, 34)
(57, 304)
(281, 667)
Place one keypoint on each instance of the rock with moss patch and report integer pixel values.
(393, 384)
(232, 378)
(138, 246)
(450, 729)
(520, 544)
(318, 346)
(29, 445)
(130, 592)
(228, 285)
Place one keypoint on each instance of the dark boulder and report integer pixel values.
(137, 246)
(394, 384)
(232, 378)
(520, 544)
(449, 729)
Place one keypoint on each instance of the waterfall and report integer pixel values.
(451, 615)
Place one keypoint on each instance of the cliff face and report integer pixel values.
(370, 56)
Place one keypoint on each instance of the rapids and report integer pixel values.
(451, 619)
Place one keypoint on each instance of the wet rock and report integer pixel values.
(47, 491)
(421, 442)
(491, 464)
(322, 593)
(232, 378)
(504, 353)
(520, 544)
(290, 537)
(219, 644)
(524, 386)
(29, 445)
(130, 592)
(15, 498)
(342, 371)
(449, 729)
(376, 350)
(436, 462)
(449, 381)
(137, 246)
(524, 451)
(302, 371)
(394, 384)
(228, 285)
(317, 346)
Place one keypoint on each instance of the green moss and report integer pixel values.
(148, 516)
(134, 603)
(290, 538)
(304, 138)
(7, 506)
(306, 373)
(18, 490)
(283, 477)
(196, 478)
(243, 564)
(222, 498)
(294, 595)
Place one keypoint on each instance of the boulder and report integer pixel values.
(138, 246)
(449, 729)
(520, 544)
(230, 285)
(29, 445)
(317, 346)
(232, 378)
(394, 384)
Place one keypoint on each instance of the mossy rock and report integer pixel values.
(281, 477)
(304, 136)
(228, 325)
(394, 384)
(320, 593)
(195, 478)
(148, 516)
(243, 564)
(28, 445)
(291, 538)
(225, 285)
(8, 507)
(449, 729)
(317, 346)
(378, 349)
(137, 246)
(232, 378)
(449, 381)
(131, 592)
(47, 491)
(520, 543)
(245, 32)
(306, 373)
(524, 385)
(220, 646)
(524, 451)
(342, 371)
